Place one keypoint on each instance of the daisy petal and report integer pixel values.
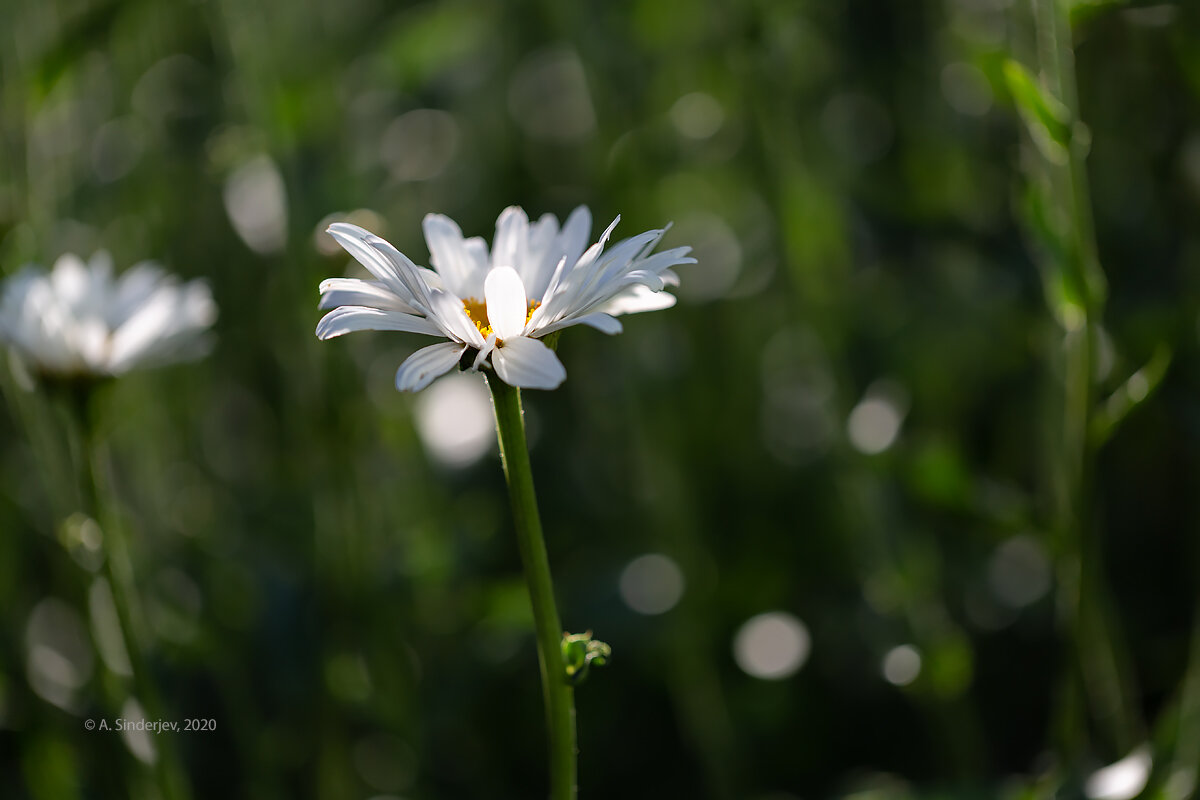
(644, 277)
(448, 252)
(354, 292)
(131, 289)
(600, 321)
(70, 279)
(348, 319)
(484, 352)
(451, 317)
(384, 261)
(636, 299)
(512, 229)
(527, 363)
(353, 240)
(506, 302)
(146, 327)
(417, 280)
(419, 369)
(574, 234)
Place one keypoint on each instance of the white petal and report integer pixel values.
(167, 326)
(132, 288)
(527, 363)
(636, 299)
(573, 239)
(417, 280)
(477, 251)
(506, 302)
(354, 292)
(484, 351)
(196, 308)
(148, 323)
(353, 240)
(449, 253)
(419, 369)
(608, 231)
(539, 313)
(667, 258)
(594, 251)
(70, 279)
(643, 277)
(348, 319)
(101, 266)
(600, 321)
(512, 230)
(384, 261)
(542, 252)
(451, 317)
(91, 342)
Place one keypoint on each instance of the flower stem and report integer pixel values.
(558, 695)
(1106, 686)
(118, 570)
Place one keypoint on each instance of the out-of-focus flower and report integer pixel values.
(538, 279)
(79, 321)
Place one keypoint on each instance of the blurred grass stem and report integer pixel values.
(118, 569)
(558, 695)
(1075, 266)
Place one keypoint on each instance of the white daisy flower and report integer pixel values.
(538, 279)
(78, 321)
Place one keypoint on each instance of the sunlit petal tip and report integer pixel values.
(433, 218)
(611, 227)
(511, 211)
(68, 261)
(347, 229)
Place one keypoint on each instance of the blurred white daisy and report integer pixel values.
(78, 321)
(538, 279)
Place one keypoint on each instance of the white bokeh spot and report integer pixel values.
(651, 584)
(454, 420)
(772, 646)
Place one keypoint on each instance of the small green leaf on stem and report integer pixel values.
(580, 651)
(1136, 389)
(1046, 118)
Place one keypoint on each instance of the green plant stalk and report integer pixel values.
(1079, 569)
(558, 695)
(118, 570)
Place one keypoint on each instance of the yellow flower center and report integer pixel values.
(477, 312)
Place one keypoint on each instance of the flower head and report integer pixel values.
(494, 308)
(78, 321)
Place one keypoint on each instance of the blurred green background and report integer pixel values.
(849, 422)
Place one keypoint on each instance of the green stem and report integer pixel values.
(1081, 584)
(118, 570)
(558, 695)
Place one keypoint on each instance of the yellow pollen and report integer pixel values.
(476, 311)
